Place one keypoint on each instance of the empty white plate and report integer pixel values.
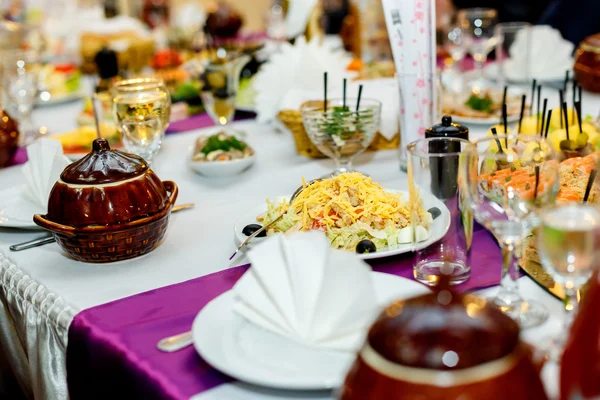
(252, 354)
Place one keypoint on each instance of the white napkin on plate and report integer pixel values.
(549, 55)
(42, 170)
(302, 289)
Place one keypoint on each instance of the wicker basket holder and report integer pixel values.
(103, 244)
(292, 119)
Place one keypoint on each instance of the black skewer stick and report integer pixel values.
(523, 100)
(495, 133)
(539, 97)
(574, 94)
(344, 98)
(505, 122)
(537, 182)
(566, 81)
(533, 86)
(579, 93)
(548, 124)
(564, 112)
(504, 94)
(590, 184)
(543, 117)
(359, 96)
(324, 91)
(578, 111)
(561, 101)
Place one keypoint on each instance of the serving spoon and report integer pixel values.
(50, 239)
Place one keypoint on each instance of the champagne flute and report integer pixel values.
(568, 239)
(506, 181)
(141, 97)
(478, 30)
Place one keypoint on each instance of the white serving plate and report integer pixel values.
(252, 354)
(220, 169)
(16, 211)
(438, 228)
(492, 71)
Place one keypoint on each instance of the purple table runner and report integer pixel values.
(112, 347)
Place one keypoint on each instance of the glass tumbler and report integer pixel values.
(506, 35)
(442, 230)
(142, 135)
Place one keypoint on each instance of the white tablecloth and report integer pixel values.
(42, 290)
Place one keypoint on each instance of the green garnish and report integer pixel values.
(513, 168)
(508, 178)
(527, 186)
(343, 122)
(477, 103)
(214, 143)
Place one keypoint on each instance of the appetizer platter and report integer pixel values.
(356, 214)
(60, 83)
(78, 142)
(221, 155)
(481, 108)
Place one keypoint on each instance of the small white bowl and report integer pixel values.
(220, 169)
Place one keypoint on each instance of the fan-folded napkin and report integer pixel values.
(531, 46)
(46, 162)
(302, 289)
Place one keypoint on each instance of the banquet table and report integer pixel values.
(42, 290)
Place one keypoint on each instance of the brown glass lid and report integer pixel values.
(592, 41)
(104, 165)
(443, 331)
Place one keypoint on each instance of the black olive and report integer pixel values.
(250, 229)
(366, 246)
(435, 212)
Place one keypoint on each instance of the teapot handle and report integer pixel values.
(53, 226)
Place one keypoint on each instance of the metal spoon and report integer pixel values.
(50, 239)
(265, 227)
(176, 342)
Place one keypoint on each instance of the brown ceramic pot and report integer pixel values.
(108, 206)
(443, 346)
(9, 138)
(587, 63)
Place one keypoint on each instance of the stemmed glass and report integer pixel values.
(20, 78)
(142, 97)
(142, 135)
(506, 181)
(507, 34)
(478, 30)
(343, 130)
(568, 242)
(454, 44)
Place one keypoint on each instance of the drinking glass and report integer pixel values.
(507, 180)
(142, 135)
(20, 77)
(454, 44)
(142, 97)
(568, 239)
(221, 82)
(506, 33)
(343, 130)
(478, 29)
(433, 175)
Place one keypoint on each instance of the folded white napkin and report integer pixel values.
(302, 289)
(297, 16)
(297, 72)
(42, 170)
(543, 64)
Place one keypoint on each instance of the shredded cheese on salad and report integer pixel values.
(349, 208)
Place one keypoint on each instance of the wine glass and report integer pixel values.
(221, 81)
(507, 33)
(478, 30)
(454, 43)
(506, 180)
(20, 79)
(568, 239)
(142, 135)
(142, 97)
(343, 130)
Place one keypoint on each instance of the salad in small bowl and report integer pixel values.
(221, 155)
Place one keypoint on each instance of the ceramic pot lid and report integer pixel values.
(443, 331)
(104, 165)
